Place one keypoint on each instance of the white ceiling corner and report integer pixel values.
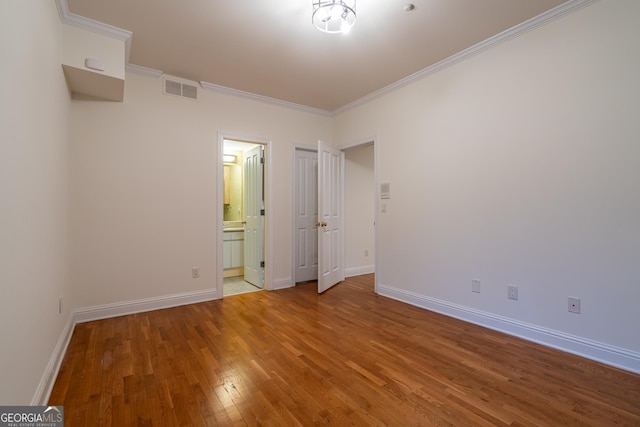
(70, 18)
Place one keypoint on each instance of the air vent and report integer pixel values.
(178, 87)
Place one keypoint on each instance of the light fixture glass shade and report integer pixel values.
(229, 158)
(334, 16)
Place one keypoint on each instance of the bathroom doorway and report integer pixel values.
(243, 213)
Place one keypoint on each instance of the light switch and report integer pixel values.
(385, 190)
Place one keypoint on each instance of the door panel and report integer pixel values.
(330, 216)
(306, 216)
(253, 204)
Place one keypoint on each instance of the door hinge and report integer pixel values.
(262, 160)
(261, 212)
(262, 264)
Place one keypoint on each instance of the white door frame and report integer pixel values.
(353, 144)
(268, 204)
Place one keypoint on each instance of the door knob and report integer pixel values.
(324, 224)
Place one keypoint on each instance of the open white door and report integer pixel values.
(306, 216)
(330, 217)
(253, 208)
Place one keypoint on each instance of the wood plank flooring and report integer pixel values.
(348, 357)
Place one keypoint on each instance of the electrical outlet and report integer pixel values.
(574, 305)
(366, 252)
(512, 292)
(475, 286)
(195, 272)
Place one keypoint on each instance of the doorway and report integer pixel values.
(360, 211)
(242, 203)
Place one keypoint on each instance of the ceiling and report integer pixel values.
(270, 48)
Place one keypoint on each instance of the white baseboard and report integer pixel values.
(88, 314)
(610, 355)
(41, 396)
(141, 305)
(357, 271)
(601, 352)
(282, 284)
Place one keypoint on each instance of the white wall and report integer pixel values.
(144, 186)
(34, 196)
(79, 44)
(359, 210)
(520, 166)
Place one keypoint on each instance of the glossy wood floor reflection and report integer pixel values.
(348, 357)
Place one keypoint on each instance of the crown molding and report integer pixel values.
(118, 33)
(144, 71)
(249, 95)
(531, 24)
(513, 32)
(66, 17)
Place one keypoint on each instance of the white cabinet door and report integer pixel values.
(237, 253)
(226, 255)
(233, 247)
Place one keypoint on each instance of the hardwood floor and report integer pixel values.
(347, 357)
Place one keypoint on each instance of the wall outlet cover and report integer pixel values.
(475, 286)
(574, 305)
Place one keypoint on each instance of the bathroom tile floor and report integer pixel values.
(237, 285)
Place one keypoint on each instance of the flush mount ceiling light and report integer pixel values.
(334, 16)
(229, 158)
